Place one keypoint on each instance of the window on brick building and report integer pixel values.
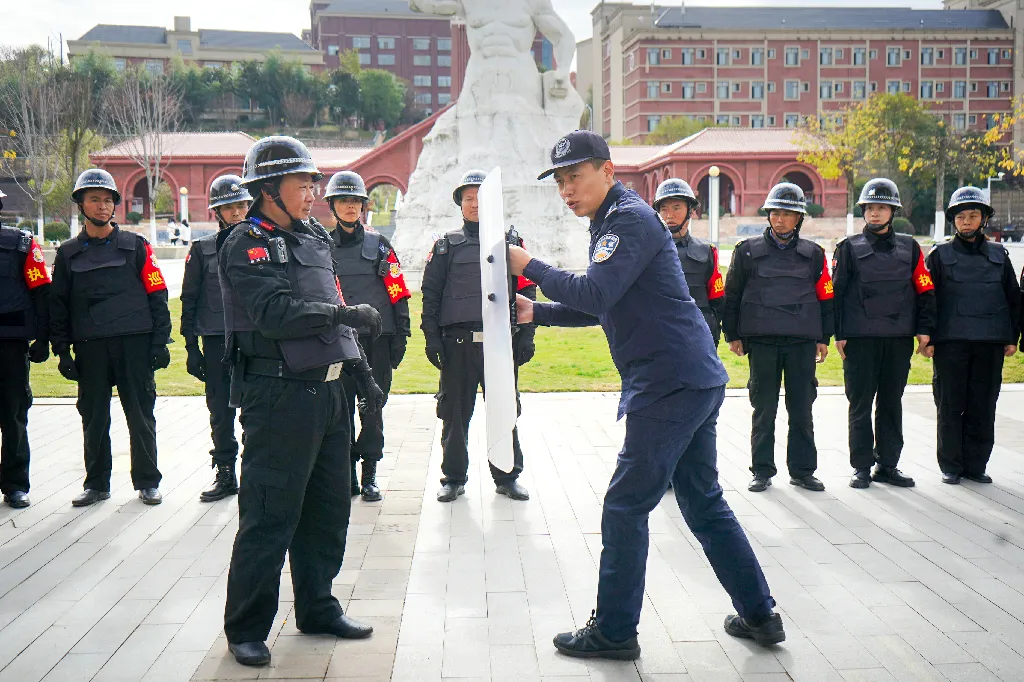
(972, 119)
(792, 89)
(722, 119)
(332, 50)
(792, 56)
(185, 46)
(927, 90)
(736, 120)
(825, 90)
(424, 98)
(927, 56)
(155, 66)
(687, 90)
(771, 121)
(421, 44)
(652, 123)
(771, 53)
(859, 56)
(120, 64)
(421, 60)
(1005, 86)
(892, 87)
(757, 121)
(907, 55)
(444, 60)
(444, 98)
(974, 54)
(666, 87)
(873, 54)
(874, 86)
(993, 55)
(723, 90)
(792, 120)
(385, 43)
(805, 86)
(666, 53)
(805, 54)
(722, 56)
(993, 90)
(630, 61)
(860, 90)
(653, 88)
(959, 121)
(757, 56)
(386, 60)
(445, 45)
(940, 87)
(906, 86)
(839, 87)
(653, 56)
(364, 58)
(422, 81)
(361, 42)
(737, 55)
(771, 86)
(1007, 54)
(688, 54)
(702, 54)
(825, 56)
(757, 90)
(892, 56)
(702, 88)
(444, 81)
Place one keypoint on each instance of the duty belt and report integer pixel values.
(463, 335)
(277, 368)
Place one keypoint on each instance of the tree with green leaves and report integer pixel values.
(674, 128)
(383, 98)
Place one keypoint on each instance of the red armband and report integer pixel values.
(522, 282)
(922, 277)
(35, 267)
(824, 286)
(152, 278)
(394, 280)
(716, 285)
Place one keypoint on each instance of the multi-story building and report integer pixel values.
(764, 67)
(154, 46)
(427, 50)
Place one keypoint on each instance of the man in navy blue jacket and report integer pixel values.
(673, 385)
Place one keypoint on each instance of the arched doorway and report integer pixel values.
(729, 201)
(804, 182)
(385, 200)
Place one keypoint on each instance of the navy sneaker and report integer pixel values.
(588, 642)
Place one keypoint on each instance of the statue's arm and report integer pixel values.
(442, 7)
(557, 31)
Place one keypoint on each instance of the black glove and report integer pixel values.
(39, 351)
(524, 348)
(67, 367)
(161, 357)
(195, 363)
(371, 398)
(398, 345)
(435, 351)
(361, 315)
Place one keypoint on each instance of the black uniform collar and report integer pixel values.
(343, 238)
(969, 247)
(684, 240)
(886, 238)
(86, 240)
(265, 222)
(471, 229)
(617, 190)
(769, 237)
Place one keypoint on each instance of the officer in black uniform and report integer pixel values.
(289, 336)
(202, 316)
(978, 326)
(884, 296)
(371, 274)
(778, 312)
(675, 202)
(24, 337)
(109, 302)
(453, 326)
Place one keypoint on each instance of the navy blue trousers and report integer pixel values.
(674, 439)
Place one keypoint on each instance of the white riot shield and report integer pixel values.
(499, 369)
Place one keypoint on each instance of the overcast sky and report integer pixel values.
(35, 21)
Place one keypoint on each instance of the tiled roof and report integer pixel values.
(811, 18)
(737, 140)
(239, 40)
(372, 7)
(192, 144)
(107, 33)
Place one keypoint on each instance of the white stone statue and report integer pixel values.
(509, 115)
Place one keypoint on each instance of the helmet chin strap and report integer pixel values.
(972, 233)
(94, 221)
(679, 228)
(274, 190)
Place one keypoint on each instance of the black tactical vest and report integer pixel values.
(971, 302)
(780, 298)
(879, 300)
(107, 296)
(17, 316)
(361, 268)
(310, 270)
(461, 301)
(209, 319)
(694, 257)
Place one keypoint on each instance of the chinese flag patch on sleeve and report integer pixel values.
(824, 287)
(922, 277)
(35, 268)
(151, 276)
(258, 254)
(394, 280)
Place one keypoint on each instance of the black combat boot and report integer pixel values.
(370, 491)
(223, 485)
(355, 480)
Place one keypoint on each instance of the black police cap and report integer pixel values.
(576, 147)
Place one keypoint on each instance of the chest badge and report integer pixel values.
(605, 248)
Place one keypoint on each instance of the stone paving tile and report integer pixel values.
(881, 584)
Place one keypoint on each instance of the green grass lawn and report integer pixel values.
(566, 360)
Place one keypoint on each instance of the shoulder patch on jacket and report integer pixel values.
(258, 254)
(605, 248)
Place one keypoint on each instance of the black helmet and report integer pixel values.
(275, 156)
(95, 178)
(674, 188)
(227, 189)
(473, 178)
(346, 184)
(786, 196)
(880, 191)
(967, 198)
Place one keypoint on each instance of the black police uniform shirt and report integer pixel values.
(634, 288)
(202, 307)
(105, 287)
(903, 308)
(814, 291)
(23, 280)
(977, 293)
(370, 273)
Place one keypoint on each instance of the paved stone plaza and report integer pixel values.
(882, 584)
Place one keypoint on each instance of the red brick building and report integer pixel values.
(770, 67)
